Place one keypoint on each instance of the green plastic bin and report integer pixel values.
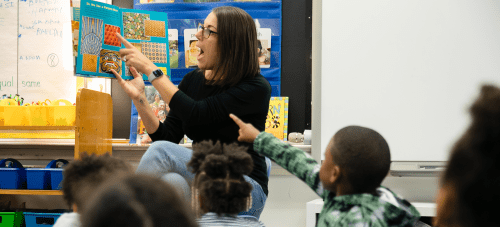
(11, 219)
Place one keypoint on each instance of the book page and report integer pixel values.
(148, 32)
(98, 49)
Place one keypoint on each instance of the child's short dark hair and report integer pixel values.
(81, 177)
(363, 155)
(472, 172)
(219, 173)
(137, 200)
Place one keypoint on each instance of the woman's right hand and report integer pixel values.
(134, 88)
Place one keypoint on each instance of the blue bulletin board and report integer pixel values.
(186, 15)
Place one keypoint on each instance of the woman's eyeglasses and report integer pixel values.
(206, 32)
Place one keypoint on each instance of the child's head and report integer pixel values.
(357, 159)
(137, 200)
(81, 177)
(219, 180)
(471, 180)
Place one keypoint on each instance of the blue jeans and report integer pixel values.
(169, 161)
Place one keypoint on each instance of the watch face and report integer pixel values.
(158, 73)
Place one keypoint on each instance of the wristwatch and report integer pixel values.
(155, 74)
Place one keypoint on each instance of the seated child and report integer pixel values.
(81, 177)
(219, 190)
(472, 178)
(357, 160)
(137, 201)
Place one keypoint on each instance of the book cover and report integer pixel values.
(277, 118)
(98, 46)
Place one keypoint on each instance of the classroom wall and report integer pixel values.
(295, 72)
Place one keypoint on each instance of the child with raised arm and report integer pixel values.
(357, 160)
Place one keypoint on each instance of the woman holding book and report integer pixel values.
(226, 81)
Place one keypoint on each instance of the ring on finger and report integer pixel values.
(125, 58)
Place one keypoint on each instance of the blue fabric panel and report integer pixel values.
(183, 16)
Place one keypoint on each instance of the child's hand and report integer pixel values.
(248, 133)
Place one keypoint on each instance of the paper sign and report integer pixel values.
(8, 47)
(45, 57)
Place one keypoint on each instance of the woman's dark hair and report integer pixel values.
(237, 43)
(138, 201)
(219, 178)
(473, 173)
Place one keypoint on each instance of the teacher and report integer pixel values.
(227, 80)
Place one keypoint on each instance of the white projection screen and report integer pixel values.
(410, 69)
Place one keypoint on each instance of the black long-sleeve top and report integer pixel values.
(202, 111)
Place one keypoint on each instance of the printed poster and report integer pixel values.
(191, 50)
(173, 44)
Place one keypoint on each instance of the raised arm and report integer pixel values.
(287, 156)
(134, 58)
(135, 90)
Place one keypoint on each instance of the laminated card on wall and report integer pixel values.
(98, 49)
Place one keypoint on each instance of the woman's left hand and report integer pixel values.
(134, 58)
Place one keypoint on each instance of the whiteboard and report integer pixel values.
(408, 69)
(36, 51)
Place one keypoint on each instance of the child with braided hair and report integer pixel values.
(220, 190)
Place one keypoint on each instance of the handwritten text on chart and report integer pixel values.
(7, 83)
(29, 58)
(44, 10)
(30, 83)
(6, 5)
(43, 2)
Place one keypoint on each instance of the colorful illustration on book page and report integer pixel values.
(91, 36)
(75, 27)
(89, 63)
(134, 27)
(127, 70)
(173, 44)
(110, 37)
(155, 28)
(192, 51)
(156, 52)
(110, 60)
(277, 117)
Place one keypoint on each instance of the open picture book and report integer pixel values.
(98, 45)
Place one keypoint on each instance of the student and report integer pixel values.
(81, 177)
(137, 201)
(357, 159)
(469, 190)
(220, 188)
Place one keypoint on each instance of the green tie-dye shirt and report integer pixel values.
(385, 209)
